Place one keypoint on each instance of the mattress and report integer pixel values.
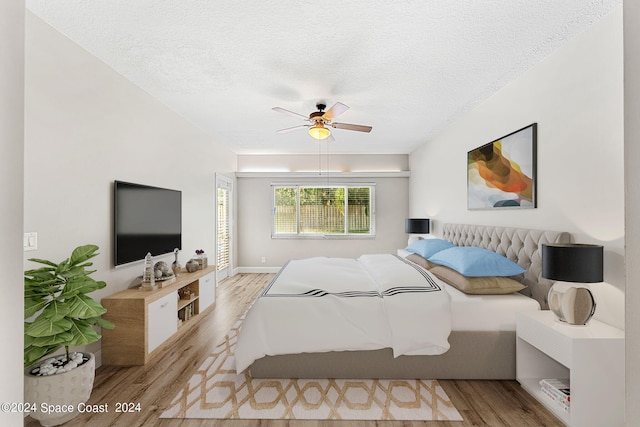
(487, 312)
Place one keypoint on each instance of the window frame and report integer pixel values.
(345, 235)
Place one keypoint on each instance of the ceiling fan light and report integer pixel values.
(319, 131)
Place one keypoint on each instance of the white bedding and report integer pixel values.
(333, 304)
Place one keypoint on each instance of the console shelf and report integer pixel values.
(148, 320)
(182, 303)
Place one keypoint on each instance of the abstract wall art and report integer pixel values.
(502, 173)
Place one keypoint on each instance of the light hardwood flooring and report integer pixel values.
(481, 403)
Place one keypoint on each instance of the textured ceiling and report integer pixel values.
(407, 68)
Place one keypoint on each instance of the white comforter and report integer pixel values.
(334, 304)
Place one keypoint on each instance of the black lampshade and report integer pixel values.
(417, 226)
(572, 262)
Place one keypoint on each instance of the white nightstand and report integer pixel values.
(591, 356)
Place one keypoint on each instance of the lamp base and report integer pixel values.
(571, 303)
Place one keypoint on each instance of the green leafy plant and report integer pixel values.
(57, 293)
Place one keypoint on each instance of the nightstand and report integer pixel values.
(591, 357)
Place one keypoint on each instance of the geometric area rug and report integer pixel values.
(216, 391)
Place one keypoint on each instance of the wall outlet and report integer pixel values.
(263, 260)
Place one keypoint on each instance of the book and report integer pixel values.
(564, 405)
(560, 387)
(557, 389)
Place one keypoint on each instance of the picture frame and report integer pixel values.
(502, 173)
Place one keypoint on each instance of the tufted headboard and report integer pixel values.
(521, 245)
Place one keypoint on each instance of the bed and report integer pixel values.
(479, 329)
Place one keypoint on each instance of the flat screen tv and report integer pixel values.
(146, 219)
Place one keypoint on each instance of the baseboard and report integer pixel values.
(258, 269)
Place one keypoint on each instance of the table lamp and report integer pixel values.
(576, 264)
(416, 226)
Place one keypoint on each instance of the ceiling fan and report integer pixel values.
(320, 121)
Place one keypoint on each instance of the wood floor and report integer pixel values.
(481, 403)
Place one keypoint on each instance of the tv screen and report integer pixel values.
(146, 219)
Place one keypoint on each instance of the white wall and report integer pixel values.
(632, 203)
(87, 126)
(576, 97)
(11, 178)
(255, 204)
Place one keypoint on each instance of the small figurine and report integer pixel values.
(148, 275)
(175, 265)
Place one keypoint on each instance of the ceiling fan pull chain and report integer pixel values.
(319, 159)
(327, 162)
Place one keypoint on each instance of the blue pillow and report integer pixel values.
(428, 247)
(472, 261)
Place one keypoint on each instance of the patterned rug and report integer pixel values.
(215, 391)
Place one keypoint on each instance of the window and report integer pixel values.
(223, 233)
(321, 211)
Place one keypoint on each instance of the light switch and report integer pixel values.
(30, 241)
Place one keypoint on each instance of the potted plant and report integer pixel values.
(59, 313)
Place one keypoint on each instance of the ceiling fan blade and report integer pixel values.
(290, 113)
(330, 138)
(287, 130)
(347, 126)
(333, 112)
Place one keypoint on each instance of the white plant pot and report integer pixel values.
(56, 397)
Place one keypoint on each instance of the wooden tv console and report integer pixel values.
(147, 320)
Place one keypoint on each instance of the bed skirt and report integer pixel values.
(482, 355)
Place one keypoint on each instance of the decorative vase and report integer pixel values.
(67, 390)
(192, 265)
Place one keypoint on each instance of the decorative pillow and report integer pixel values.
(490, 285)
(428, 247)
(422, 262)
(472, 261)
